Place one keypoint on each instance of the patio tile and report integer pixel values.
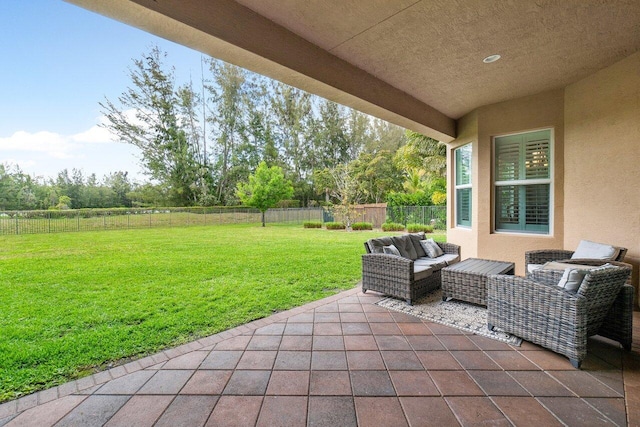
(207, 382)
(497, 383)
(272, 329)
(457, 342)
(327, 329)
(414, 329)
(331, 411)
(574, 411)
(512, 361)
(189, 360)
(379, 412)
(289, 383)
(296, 342)
(392, 342)
(455, 383)
(423, 411)
(612, 378)
(385, 329)
(360, 342)
(539, 383)
(221, 360)
(438, 360)
(188, 411)
(129, 384)
(47, 414)
(476, 411)
(356, 329)
(353, 299)
(350, 308)
(327, 318)
(365, 360)
(377, 317)
(612, 408)
(372, 308)
(548, 360)
(486, 344)
(525, 411)
(399, 360)
(298, 329)
(257, 360)
(264, 342)
(248, 383)
(474, 360)
(438, 329)
(301, 318)
(327, 308)
(140, 411)
(328, 360)
(413, 383)
(293, 360)
(371, 383)
(283, 411)
(404, 318)
(331, 383)
(584, 384)
(236, 343)
(352, 317)
(328, 342)
(94, 411)
(166, 382)
(226, 411)
(424, 342)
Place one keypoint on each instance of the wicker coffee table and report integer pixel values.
(467, 280)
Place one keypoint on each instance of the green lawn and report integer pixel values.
(73, 303)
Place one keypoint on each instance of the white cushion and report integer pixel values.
(391, 250)
(533, 267)
(572, 279)
(593, 250)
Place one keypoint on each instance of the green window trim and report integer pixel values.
(522, 186)
(463, 185)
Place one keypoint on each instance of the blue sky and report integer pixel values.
(58, 62)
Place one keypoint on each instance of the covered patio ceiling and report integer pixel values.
(414, 63)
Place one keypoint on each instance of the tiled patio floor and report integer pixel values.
(344, 361)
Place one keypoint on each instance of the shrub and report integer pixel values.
(362, 226)
(312, 224)
(392, 226)
(335, 225)
(417, 228)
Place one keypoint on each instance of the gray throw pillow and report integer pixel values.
(572, 279)
(431, 248)
(391, 250)
(416, 238)
(405, 246)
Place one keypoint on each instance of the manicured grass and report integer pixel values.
(73, 303)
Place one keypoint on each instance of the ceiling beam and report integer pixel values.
(229, 31)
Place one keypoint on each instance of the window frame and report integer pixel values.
(465, 186)
(523, 182)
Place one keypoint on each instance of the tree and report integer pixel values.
(344, 190)
(265, 188)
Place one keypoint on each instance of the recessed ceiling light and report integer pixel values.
(491, 58)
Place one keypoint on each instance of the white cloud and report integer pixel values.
(95, 135)
(54, 144)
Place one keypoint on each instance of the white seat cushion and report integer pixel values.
(592, 250)
(533, 267)
(572, 279)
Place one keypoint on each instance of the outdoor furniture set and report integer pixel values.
(565, 297)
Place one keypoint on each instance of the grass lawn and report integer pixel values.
(75, 302)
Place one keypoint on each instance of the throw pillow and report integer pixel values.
(431, 248)
(572, 279)
(391, 250)
(416, 238)
(593, 250)
(405, 246)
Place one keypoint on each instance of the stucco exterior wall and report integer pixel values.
(602, 159)
(545, 110)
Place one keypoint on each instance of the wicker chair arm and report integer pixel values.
(450, 248)
(548, 277)
(545, 255)
(392, 265)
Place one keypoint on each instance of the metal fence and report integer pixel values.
(33, 222)
(429, 215)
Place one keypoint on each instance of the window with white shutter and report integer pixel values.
(463, 185)
(523, 182)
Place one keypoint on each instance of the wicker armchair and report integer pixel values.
(542, 256)
(538, 311)
(394, 275)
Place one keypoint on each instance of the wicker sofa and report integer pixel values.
(539, 311)
(408, 276)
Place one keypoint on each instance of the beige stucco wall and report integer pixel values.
(602, 159)
(545, 110)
